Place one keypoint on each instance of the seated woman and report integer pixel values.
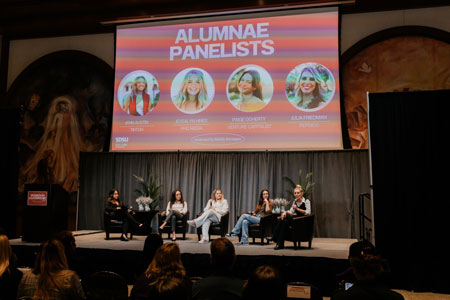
(300, 207)
(216, 207)
(264, 207)
(176, 209)
(51, 278)
(165, 276)
(120, 212)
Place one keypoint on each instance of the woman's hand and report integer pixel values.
(283, 215)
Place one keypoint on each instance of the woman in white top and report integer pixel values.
(216, 207)
(176, 209)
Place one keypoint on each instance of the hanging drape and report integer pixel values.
(340, 177)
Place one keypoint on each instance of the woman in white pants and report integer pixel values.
(216, 207)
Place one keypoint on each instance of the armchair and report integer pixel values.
(261, 230)
(220, 228)
(112, 225)
(301, 230)
(181, 226)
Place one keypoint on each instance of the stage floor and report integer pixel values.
(321, 247)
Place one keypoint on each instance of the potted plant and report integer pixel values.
(307, 185)
(149, 192)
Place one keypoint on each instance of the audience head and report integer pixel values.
(167, 262)
(222, 254)
(5, 254)
(68, 241)
(172, 288)
(52, 257)
(152, 243)
(52, 263)
(260, 279)
(366, 262)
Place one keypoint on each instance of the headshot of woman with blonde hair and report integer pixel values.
(192, 96)
(308, 94)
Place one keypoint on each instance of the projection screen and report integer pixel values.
(250, 82)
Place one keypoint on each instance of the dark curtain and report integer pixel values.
(409, 157)
(340, 177)
(9, 164)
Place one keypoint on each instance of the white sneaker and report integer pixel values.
(192, 223)
(203, 241)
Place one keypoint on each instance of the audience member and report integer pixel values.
(368, 266)
(51, 279)
(152, 243)
(105, 285)
(264, 283)
(70, 248)
(221, 284)
(10, 276)
(165, 267)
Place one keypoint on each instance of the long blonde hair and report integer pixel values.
(213, 195)
(52, 269)
(5, 254)
(202, 97)
(166, 264)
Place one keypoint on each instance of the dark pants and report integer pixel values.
(127, 219)
(280, 230)
(172, 218)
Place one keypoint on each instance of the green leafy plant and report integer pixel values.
(149, 189)
(307, 184)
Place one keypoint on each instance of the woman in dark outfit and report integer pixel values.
(300, 207)
(120, 212)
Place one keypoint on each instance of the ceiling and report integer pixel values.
(40, 18)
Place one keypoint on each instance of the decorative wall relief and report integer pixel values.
(66, 100)
(400, 59)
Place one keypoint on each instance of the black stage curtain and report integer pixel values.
(408, 133)
(9, 164)
(340, 177)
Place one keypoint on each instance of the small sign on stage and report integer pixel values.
(37, 198)
(298, 291)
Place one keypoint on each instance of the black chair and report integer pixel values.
(301, 290)
(261, 230)
(112, 225)
(181, 226)
(105, 285)
(220, 228)
(301, 230)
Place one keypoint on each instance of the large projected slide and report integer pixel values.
(261, 83)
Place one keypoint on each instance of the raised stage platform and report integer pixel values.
(318, 265)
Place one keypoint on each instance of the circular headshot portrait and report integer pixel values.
(138, 93)
(192, 90)
(250, 88)
(310, 87)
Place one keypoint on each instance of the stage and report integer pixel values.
(318, 265)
